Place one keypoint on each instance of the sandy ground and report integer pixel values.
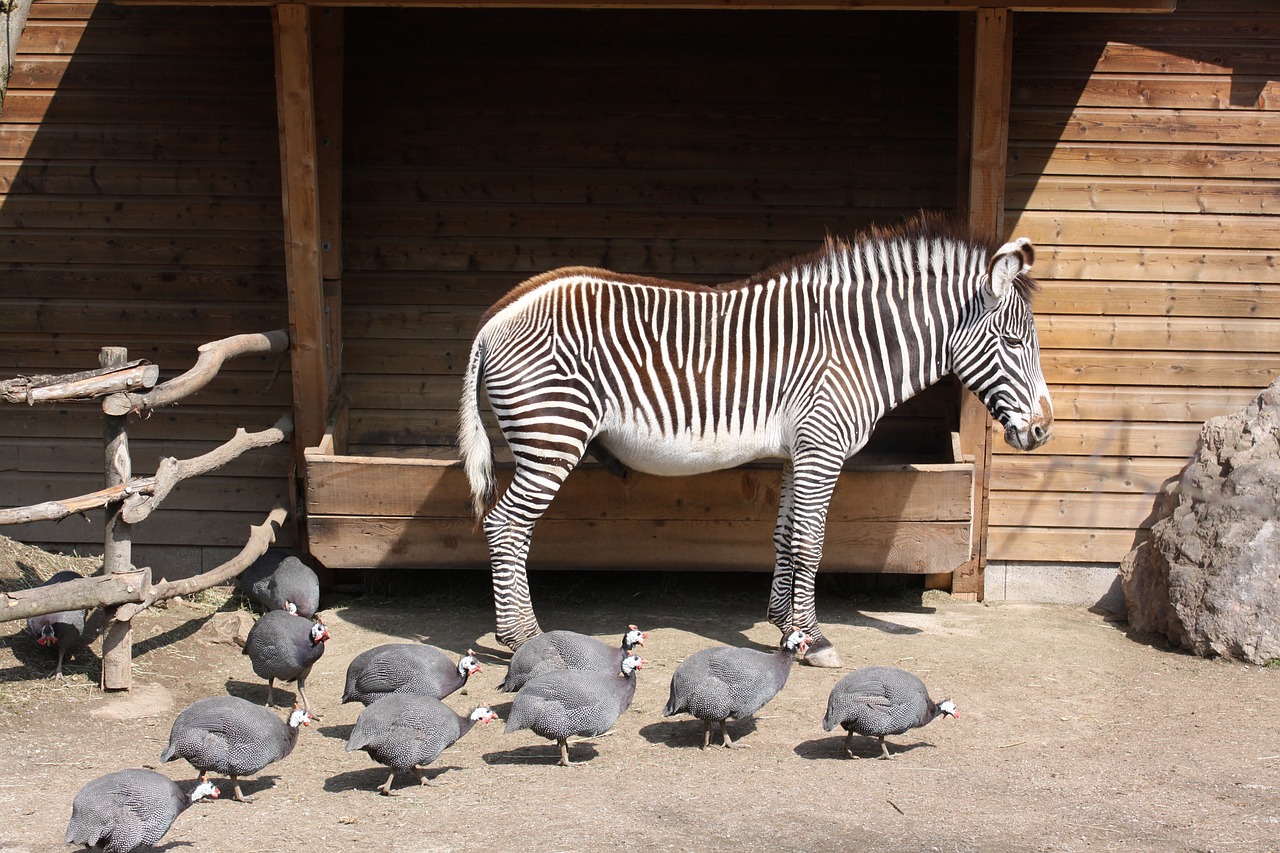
(1072, 736)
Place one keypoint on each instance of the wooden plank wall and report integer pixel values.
(1153, 203)
(140, 207)
(483, 147)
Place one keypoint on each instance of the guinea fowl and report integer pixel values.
(406, 668)
(564, 703)
(58, 630)
(125, 810)
(285, 647)
(406, 732)
(233, 737)
(716, 684)
(277, 581)
(881, 700)
(567, 650)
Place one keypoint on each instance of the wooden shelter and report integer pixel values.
(418, 159)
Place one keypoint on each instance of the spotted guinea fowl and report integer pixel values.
(881, 700)
(406, 732)
(563, 703)
(277, 581)
(284, 646)
(567, 650)
(716, 684)
(233, 737)
(406, 668)
(125, 810)
(58, 630)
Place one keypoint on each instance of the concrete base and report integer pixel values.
(1090, 584)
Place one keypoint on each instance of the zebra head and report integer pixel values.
(996, 352)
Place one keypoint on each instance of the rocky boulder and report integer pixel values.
(1208, 579)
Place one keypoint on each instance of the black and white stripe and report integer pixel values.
(799, 362)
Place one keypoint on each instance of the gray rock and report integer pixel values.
(1208, 579)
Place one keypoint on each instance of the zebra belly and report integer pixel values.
(685, 453)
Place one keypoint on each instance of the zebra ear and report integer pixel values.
(1009, 261)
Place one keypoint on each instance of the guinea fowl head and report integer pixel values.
(319, 632)
(299, 717)
(947, 707)
(469, 665)
(634, 637)
(483, 714)
(47, 636)
(205, 790)
(291, 607)
(795, 641)
(631, 663)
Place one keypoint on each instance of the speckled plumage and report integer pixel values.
(122, 811)
(567, 703)
(276, 579)
(282, 647)
(567, 650)
(718, 683)
(406, 732)
(229, 736)
(405, 668)
(880, 700)
(61, 630)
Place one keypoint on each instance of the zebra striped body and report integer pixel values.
(799, 363)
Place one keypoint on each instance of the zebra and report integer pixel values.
(798, 362)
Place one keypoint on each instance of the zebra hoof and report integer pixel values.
(823, 654)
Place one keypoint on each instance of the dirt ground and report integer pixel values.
(1072, 736)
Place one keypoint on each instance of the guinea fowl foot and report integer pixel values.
(426, 781)
(239, 797)
(727, 741)
(885, 754)
(385, 788)
(823, 654)
(564, 756)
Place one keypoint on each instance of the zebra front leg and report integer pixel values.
(813, 482)
(780, 590)
(516, 622)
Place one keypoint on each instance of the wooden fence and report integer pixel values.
(126, 388)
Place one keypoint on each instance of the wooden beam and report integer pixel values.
(988, 149)
(327, 41)
(308, 327)
(832, 5)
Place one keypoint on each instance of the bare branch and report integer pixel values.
(80, 386)
(82, 594)
(212, 356)
(142, 495)
(171, 472)
(134, 590)
(260, 538)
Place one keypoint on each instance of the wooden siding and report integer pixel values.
(484, 148)
(1153, 205)
(140, 207)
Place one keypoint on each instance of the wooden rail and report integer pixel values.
(129, 387)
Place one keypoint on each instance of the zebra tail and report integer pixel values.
(473, 440)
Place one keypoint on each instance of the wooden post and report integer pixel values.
(988, 152)
(117, 547)
(308, 327)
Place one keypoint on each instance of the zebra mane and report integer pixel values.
(926, 225)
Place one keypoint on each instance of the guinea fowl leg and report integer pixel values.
(706, 734)
(57, 672)
(271, 692)
(306, 706)
(848, 745)
(385, 787)
(238, 796)
(424, 779)
(564, 754)
(884, 749)
(726, 740)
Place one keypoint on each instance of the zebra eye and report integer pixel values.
(1013, 342)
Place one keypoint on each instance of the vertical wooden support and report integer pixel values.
(988, 152)
(308, 326)
(328, 42)
(117, 546)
